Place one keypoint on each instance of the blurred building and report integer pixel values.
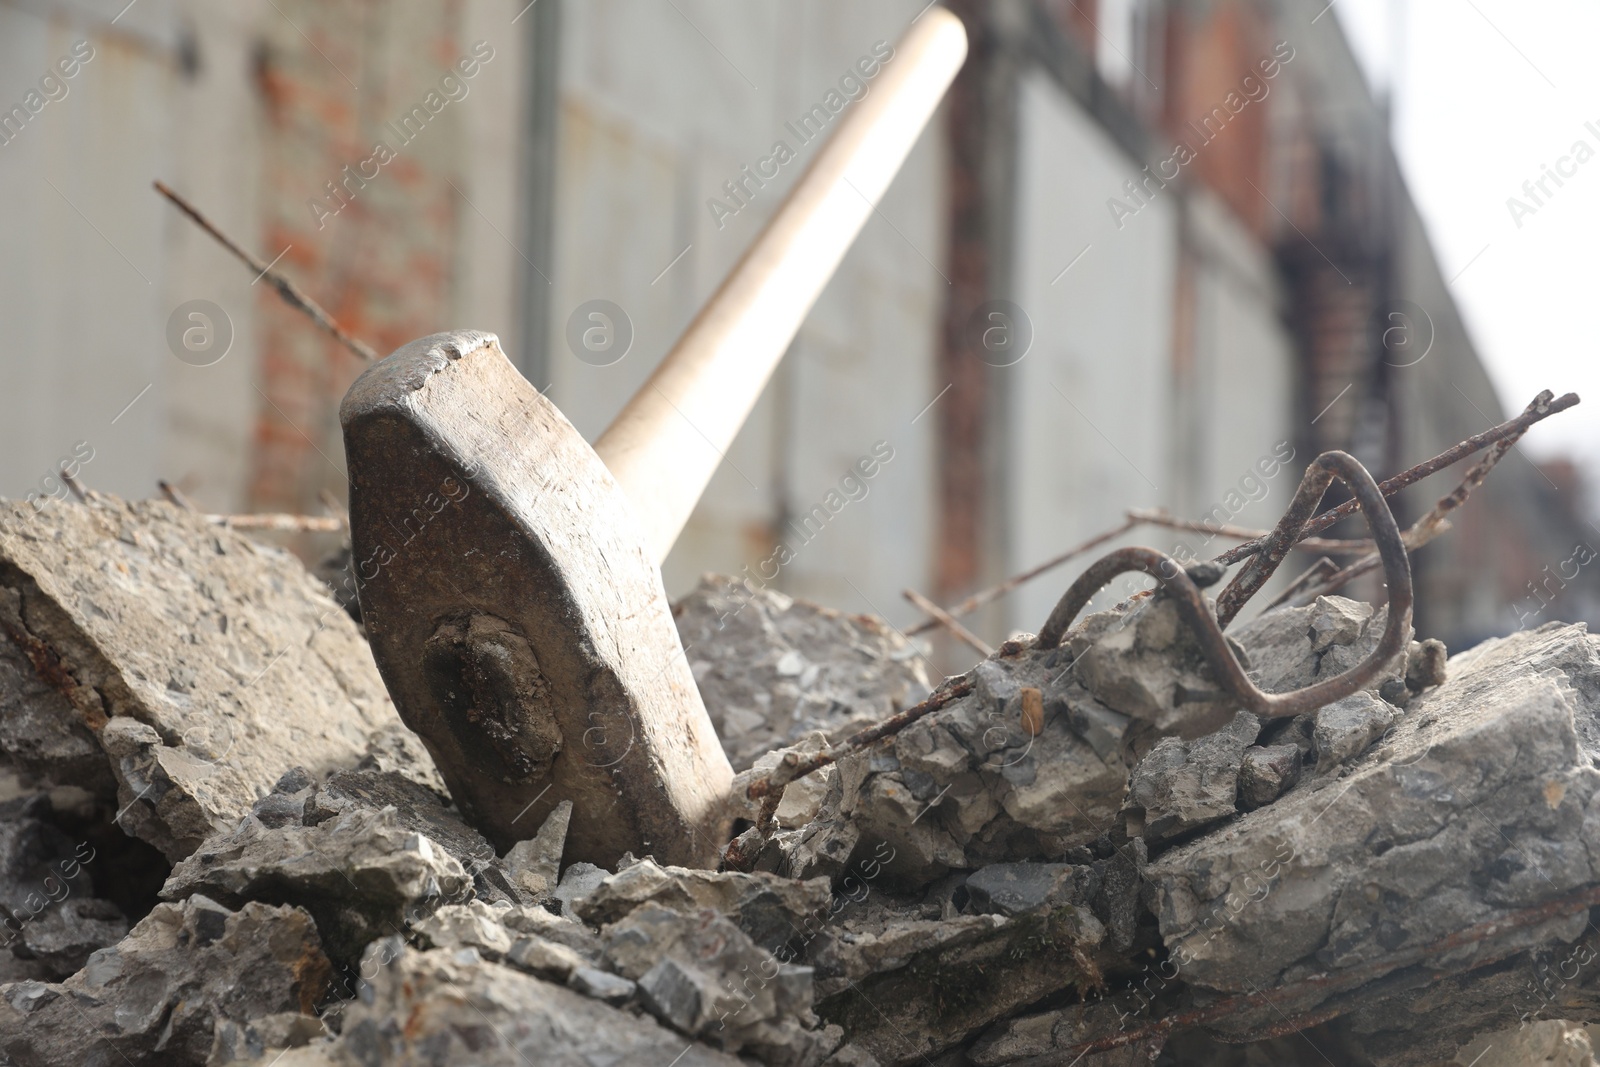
(1149, 255)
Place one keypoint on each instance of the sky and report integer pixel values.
(1487, 94)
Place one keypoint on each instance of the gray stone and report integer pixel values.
(417, 808)
(63, 936)
(363, 874)
(1018, 888)
(1546, 1043)
(474, 925)
(1347, 728)
(768, 908)
(1265, 773)
(1483, 804)
(534, 865)
(547, 959)
(601, 985)
(159, 994)
(968, 785)
(1181, 785)
(773, 669)
(1142, 661)
(701, 974)
(424, 1008)
(577, 882)
(261, 1041)
(213, 662)
(1290, 648)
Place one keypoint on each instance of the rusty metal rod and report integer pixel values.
(795, 766)
(291, 293)
(1541, 408)
(995, 592)
(1195, 612)
(948, 621)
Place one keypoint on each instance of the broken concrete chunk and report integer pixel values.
(1290, 648)
(1265, 773)
(1346, 728)
(968, 785)
(260, 1041)
(473, 925)
(393, 747)
(1142, 661)
(1480, 806)
(534, 865)
(773, 669)
(577, 882)
(229, 655)
(63, 937)
(766, 907)
(1181, 785)
(363, 874)
(1425, 664)
(1545, 1043)
(1017, 888)
(702, 975)
(602, 985)
(547, 959)
(158, 995)
(453, 1008)
(802, 799)
(417, 807)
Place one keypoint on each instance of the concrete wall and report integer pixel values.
(1089, 434)
(653, 122)
(229, 105)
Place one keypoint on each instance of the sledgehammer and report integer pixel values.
(509, 573)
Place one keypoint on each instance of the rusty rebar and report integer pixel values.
(795, 766)
(1195, 612)
(948, 621)
(1541, 408)
(292, 294)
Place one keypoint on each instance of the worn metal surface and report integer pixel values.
(517, 619)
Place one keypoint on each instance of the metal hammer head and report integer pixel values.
(518, 620)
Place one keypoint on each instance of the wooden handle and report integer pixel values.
(669, 439)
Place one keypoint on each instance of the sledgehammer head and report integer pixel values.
(517, 619)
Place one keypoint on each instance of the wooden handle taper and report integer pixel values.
(671, 436)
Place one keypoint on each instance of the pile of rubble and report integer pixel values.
(221, 845)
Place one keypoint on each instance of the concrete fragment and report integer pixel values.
(1017, 888)
(261, 1040)
(602, 985)
(1346, 728)
(1482, 804)
(363, 874)
(158, 995)
(802, 799)
(63, 937)
(534, 865)
(1265, 773)
(417, 808)
(219, 662)
(773, 669)
(1545, 1043)
(1181, 785)
(766, 907)
(453, 1008)
(1290, 648)
(577, 882)
(1425, 664)
(704, 976)
(967, 785)
(473, 925)
(1142, 661)
(548, 960)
